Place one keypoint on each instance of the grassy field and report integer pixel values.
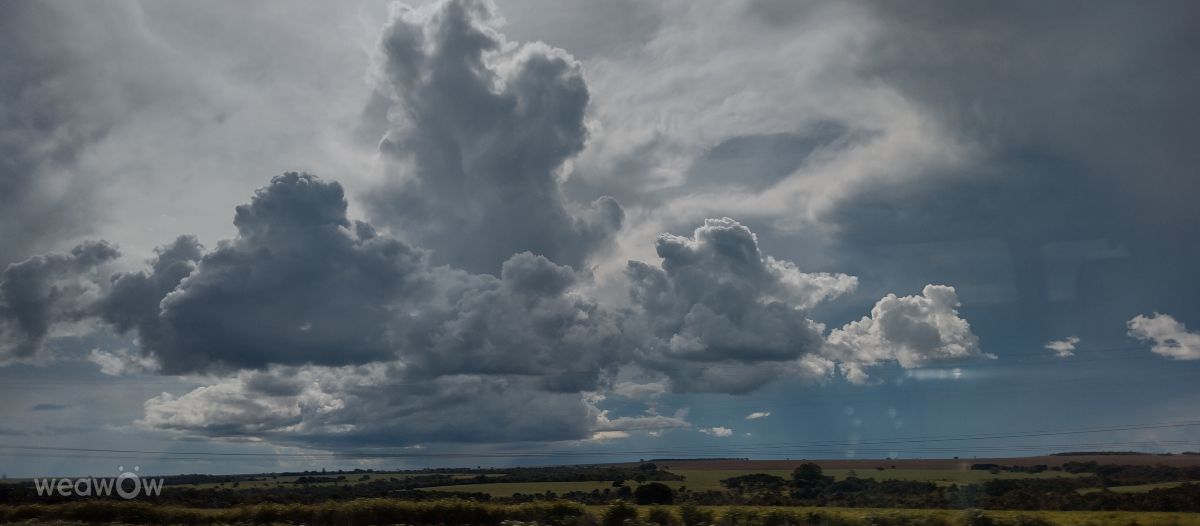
(710, 479)
(1140, 488)
(365, 512)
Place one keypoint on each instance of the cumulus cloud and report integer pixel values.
(911, 330)
(48, 290)
(300, 283)
(757, 415)
(314, 324)
(719, 315)
(718, 431)
(482, 129)
(1169, 336)
(1064, 348)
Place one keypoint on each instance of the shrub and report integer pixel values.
(654, 493)
(618, 513)
(692, 515)
(661, 516)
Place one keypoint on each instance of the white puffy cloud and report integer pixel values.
(1064, 348)
(757, 415)
(1169, 336)
(718, 431)
(911, 330)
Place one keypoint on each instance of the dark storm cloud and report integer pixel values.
(481, 128)
(42, 291)
(722, 316)
(1084, 132)
(299, 284)
(528, 322)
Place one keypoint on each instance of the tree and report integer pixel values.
(807, 474)
(654, 493)
(808, 481)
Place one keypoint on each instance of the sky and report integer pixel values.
(274, 236)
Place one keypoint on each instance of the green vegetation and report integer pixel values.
(365, 512)
(710, 479)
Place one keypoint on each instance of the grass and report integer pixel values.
(1139, 488)
(365, 512)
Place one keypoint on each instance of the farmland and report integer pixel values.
(710, 479)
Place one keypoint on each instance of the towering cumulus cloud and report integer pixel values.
(481, 131)
(911, 330)
(720, 315)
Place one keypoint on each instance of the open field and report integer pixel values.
(710, 479)
(1139, 488)
(364, 512)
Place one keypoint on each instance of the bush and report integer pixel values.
(661, 516)
(654, 493)
(692, 515)
(618, 513)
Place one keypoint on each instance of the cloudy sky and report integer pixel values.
(290, 235)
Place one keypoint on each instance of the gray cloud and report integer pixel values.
(382, 405)
(719, 315)
(481, 130)
(528, 322)
(43, 291)
(49, 116)
(299, 284)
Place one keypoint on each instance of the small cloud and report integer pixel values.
(1171, 338)
(640, 391)
(1063, 348)
(955, 373)
(48, 407)
(602, 436)
(120, 362)
(718, 431)
(757, 415)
